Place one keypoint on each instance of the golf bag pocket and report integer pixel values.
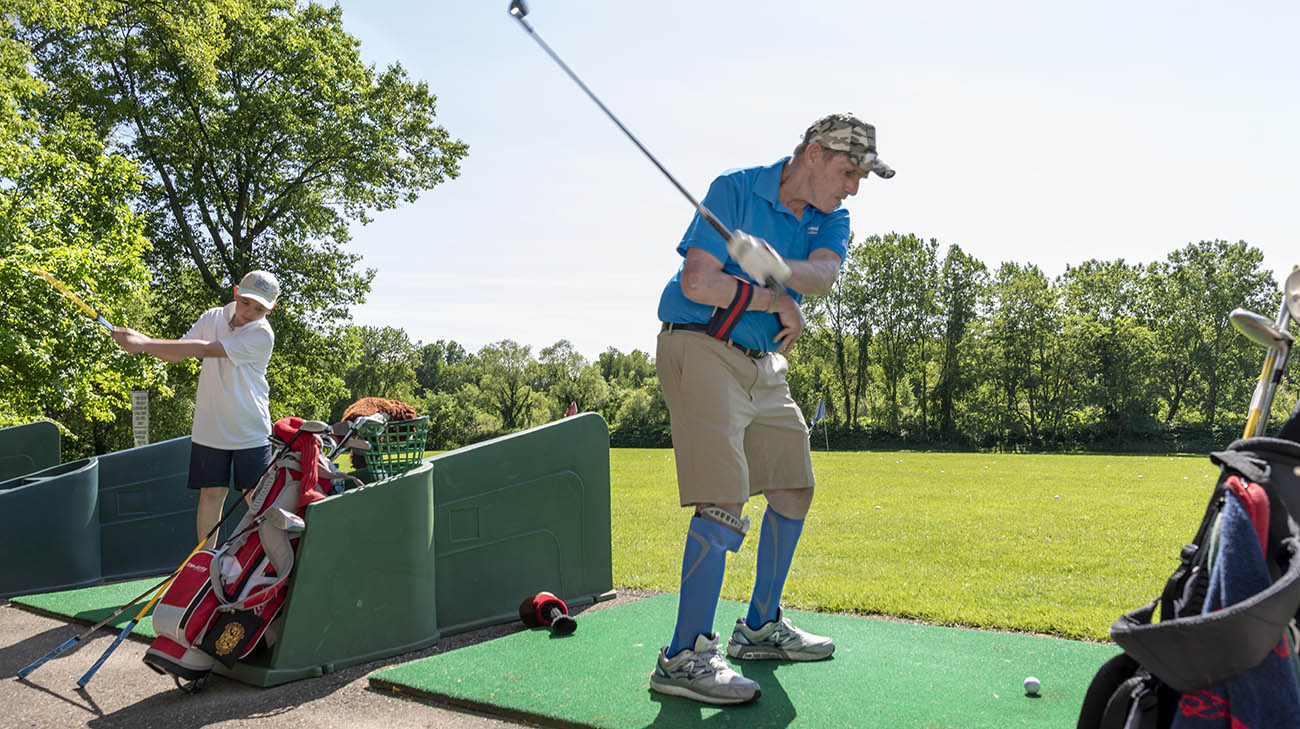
(181, 619)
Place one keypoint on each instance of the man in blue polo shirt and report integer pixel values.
(736, 430)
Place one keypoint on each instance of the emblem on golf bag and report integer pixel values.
(230, 638)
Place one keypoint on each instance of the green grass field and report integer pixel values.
(1054, 544)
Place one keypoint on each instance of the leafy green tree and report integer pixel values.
(1103, 301)
(1190, 295)
(64, 206)
(506, 370)
(262, 134)
(840, 334)
(961, 279)
(898, 275)
(633, 369)
(565, 376)
(382, 364)
(444, 366)
(1023, 325)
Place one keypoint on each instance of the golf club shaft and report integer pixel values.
(159, 588)
(22, 672)
(703, 211)
(1261, 401)
(86, 308)
(158, 594)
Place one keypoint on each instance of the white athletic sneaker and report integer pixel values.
(702, 674)
(778, 639)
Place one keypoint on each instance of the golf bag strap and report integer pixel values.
(1184, 591)
(1195, 652)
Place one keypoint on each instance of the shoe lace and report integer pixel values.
(784, 632)
(705, 662)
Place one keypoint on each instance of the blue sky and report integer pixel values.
(1043, 133)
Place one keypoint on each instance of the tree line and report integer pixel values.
(153, 153)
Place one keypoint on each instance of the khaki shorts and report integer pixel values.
(736, 430)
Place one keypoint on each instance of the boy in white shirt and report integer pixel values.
(232, 417)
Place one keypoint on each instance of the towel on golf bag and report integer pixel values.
(1190, 649)
(222, 601)
(1268, 695)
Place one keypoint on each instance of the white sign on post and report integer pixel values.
(140, 416)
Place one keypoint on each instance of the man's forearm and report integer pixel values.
(815, 276)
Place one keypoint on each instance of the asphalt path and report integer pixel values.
(127, 694)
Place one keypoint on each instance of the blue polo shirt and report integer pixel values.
(747, 199)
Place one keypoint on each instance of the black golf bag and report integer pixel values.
(1223, 650)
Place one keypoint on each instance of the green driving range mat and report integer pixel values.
(92, 604)
(883, 674)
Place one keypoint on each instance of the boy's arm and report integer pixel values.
(169, 350)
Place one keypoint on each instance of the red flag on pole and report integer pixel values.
(573, 409)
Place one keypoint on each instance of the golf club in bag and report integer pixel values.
(224, 600)
(307, 426)
(1218, 647)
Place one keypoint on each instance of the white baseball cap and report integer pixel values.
(261, 287)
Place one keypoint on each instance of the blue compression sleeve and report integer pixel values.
(703, 563)
(775, 553)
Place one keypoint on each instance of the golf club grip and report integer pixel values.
(70, 642)
(85, 679)
(86, 308)
(138, 617)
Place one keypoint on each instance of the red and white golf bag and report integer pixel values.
(223, 600)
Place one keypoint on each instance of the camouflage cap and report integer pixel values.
(847, 133)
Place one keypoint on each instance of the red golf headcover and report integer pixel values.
(535, 611)
(308, 448)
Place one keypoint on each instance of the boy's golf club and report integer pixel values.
(86, 308)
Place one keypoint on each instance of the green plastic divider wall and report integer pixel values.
(453, 545)
(519, 514)
(363, 583)
(28, 448)
(146, 511)
(49, 529)
(144, 519)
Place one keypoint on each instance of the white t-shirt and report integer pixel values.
(232, 406)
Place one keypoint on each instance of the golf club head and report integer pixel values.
(1258, 328)
(1291, 290)
(313, 426)
(518, 9)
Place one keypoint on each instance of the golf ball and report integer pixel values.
(1032, 685)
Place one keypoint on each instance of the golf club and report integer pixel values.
(519, 10)
(1277, 340)
(307, 426)
(86, 308)
(1291, 293)
(1258, 328)
(70, 642)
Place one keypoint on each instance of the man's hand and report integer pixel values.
(757, 258)
(130, 340)
(792, 322)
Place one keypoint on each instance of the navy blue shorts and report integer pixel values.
(213, 467)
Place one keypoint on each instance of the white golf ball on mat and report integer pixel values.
(1032, 685)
